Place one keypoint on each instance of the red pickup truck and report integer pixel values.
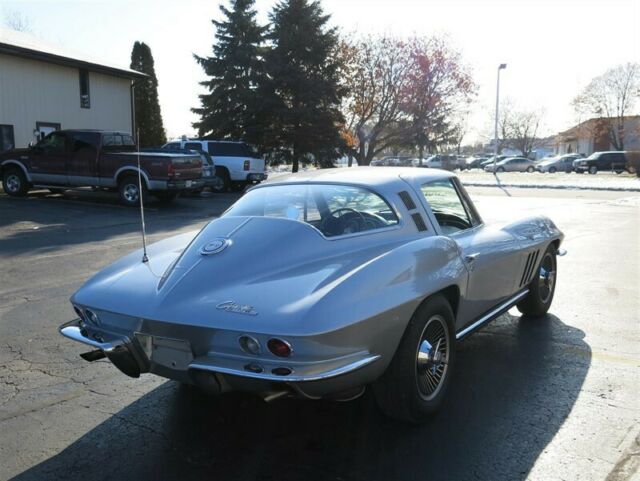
(101, 159)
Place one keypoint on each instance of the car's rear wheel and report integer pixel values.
(552, 170)
(542, 287)
(593, 169)
(15, 183)
(416, 381)
(129, 190)
(223, 180)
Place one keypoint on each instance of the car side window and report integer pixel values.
(446, 205)
(193, 146)
(54, 143)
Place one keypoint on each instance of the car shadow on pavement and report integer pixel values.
(516, 381)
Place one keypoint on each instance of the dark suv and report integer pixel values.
(612, 161)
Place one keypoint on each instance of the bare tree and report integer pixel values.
(518, 128)
(611, 96)
(17, 21)
(375, 76)
(438, 89)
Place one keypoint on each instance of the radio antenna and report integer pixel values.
(144, 232)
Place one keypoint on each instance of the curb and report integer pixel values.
(552, 186)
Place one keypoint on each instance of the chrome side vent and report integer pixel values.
(407, 200)
(529, 267)
(417, 218)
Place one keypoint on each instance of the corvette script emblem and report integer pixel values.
(231, 306)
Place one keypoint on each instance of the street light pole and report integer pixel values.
(495, 131)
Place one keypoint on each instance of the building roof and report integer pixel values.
(24, 45)
(590, 124)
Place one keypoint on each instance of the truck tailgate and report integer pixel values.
(186, 167)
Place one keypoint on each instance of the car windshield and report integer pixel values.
(333, 209)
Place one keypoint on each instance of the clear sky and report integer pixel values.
(552, 48)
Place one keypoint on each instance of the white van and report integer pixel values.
(237, 163)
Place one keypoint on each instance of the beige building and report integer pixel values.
(593, 136)
(43, 88)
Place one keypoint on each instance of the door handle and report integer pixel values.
(469, 258)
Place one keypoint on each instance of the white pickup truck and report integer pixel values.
(237, 163)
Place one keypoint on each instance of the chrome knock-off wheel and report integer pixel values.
(13, 183)
(432, 357)
(546, 278)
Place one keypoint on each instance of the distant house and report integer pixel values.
(43, 88)
(593, 136)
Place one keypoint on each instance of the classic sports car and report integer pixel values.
(318, 285)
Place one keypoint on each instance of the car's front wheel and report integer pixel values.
(416, 381)
(552, 170)
(530, 170)
(500, 169)
(542, 287)
(15, 183)
(593, 170)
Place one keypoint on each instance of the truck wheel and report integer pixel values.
(130, 192)
(223, 181)
(15, 183)
(542, 287)
(415, 383)
(593, 169)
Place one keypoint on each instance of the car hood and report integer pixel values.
(267, 271)
(13, 154)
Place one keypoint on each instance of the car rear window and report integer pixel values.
(231, 149)
(331, 208)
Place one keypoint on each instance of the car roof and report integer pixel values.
(376, 177)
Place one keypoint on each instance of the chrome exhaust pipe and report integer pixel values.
(271, 396)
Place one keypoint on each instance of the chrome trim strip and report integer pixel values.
(492, 314)
(73, 332)
(290, 378)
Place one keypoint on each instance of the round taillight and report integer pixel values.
(279, 348)
(249, 345)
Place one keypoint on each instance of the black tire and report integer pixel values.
(225, 181)
(500, 169)
(166, 197)
(402, 392)
(14, 182)
(579, 171)
(593, 170)
(552, 170)
(129, 192)
(530, 170)
(542, 287)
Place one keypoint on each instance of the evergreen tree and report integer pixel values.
(147, 108)
(302, 95)
(230, 109)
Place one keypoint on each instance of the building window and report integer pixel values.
(6, 138)
(85, 100)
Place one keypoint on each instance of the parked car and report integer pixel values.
(484, 163)
(474, 162)
(100, 159)
(612, 161)
(512, 164)
(560, 163)
(380, 273)
(209, 177)
(441, 161)
(237, 163)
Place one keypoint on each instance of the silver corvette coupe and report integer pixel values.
(319, 285)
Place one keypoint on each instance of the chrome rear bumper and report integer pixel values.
(128, 355)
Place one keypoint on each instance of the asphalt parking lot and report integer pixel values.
(550, 398)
